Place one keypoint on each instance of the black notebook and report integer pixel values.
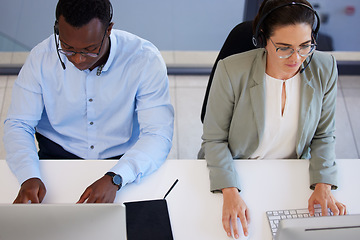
(147, 220)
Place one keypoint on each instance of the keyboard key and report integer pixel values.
(273, 225)
(317, 210)
(274, 217)
(302, 211)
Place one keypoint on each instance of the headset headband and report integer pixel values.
(315, 32)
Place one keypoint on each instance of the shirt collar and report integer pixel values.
(113, 46)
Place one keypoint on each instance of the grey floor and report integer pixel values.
(187, 94)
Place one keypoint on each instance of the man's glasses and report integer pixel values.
(69, 53)
(286, 52)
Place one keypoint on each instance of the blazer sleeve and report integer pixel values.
(216, 126)
(323, 167)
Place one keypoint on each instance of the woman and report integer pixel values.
(278, 102)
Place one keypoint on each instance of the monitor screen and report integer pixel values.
(320, 228)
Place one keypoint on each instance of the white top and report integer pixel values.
(280, 132)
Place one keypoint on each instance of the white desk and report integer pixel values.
(195, 212)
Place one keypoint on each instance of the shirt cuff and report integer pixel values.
(26, 173)
(124, 169)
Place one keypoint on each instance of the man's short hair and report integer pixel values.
(78, 13)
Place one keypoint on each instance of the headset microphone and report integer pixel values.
(307, 64)
(56, 32)
(61, 61)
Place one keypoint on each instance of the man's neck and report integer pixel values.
(104, 58)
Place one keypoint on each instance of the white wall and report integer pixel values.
(27, 21)
(180, 25)
(344, 29)
(169, 24)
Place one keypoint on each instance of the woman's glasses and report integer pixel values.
(286, 52)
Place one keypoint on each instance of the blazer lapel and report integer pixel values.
(307, 93)
(257, 94)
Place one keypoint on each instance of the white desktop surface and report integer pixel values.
(195, 212)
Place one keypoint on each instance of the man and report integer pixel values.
(93, 93)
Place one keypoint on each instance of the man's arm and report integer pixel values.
(156, 122)
(23, 116)
(23, 160)
(155, 116)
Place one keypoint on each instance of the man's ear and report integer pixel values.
(108, 31)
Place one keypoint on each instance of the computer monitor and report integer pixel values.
(320, 228)
(62, 221)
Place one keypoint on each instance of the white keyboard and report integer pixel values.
(274, 217)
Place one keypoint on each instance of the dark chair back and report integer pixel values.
(239, 40)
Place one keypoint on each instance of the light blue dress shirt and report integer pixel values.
(125, 110)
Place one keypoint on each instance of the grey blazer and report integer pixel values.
(235, 116)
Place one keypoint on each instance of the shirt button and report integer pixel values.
(91, 123)
(90, 100)
(92, 146)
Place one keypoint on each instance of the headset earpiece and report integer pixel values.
(261, 39)
(56, 27)
(111, 12)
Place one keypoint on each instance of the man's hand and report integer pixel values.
(322, 195)
(101, 191)
(32, 190)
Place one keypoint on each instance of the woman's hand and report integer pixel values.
(234, 207)
(322, 195)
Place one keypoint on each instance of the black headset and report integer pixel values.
(56, 32)
(259, 39)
